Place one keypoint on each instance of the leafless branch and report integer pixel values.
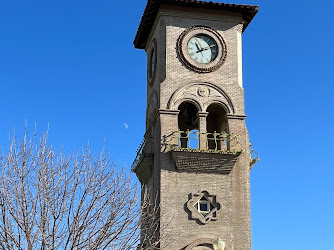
(83, 201)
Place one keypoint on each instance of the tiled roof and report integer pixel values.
(152, 8)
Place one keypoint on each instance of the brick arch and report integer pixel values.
(218, 102)
(190, 100)
(202, 93)
(199, 242)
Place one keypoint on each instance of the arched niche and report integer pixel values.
(188, 124)
(217, 126)
(216, 119)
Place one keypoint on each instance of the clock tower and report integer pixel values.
(195, 159)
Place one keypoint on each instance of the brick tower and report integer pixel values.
(195, 157)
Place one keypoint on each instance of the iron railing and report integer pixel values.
(253, 156)
(190, 139)
(139, 155)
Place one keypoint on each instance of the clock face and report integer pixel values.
(202, 48)
(152, 64)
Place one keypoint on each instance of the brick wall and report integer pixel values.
(232, 190)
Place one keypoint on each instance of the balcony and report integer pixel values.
(219, 154)
(221, 143)
(193, 151)
(143, 163)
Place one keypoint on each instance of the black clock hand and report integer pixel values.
(201, 48)
(198, 48)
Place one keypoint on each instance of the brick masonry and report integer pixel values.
(232, 189)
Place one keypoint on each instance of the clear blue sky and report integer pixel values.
(71, 64)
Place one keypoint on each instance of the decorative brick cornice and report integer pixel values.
(144, 168)
(238, 117)
(204, 162)
(168, 112)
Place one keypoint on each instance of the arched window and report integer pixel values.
(217, 127)
(188, 125)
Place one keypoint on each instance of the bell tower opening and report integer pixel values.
(217, 127)
(188, 125)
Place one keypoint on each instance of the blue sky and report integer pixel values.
(71, 64)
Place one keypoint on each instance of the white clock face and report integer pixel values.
(202, 48)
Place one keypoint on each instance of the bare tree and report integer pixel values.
(52, 201)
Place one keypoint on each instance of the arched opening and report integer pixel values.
(203, 247)
(188, 125)
(217, 127)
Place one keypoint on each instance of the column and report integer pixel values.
(202, 129)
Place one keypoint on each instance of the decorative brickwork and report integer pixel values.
(202, 93)
(209, 203)
(144, 169)
(201, 162)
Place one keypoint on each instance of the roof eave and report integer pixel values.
(248, 13)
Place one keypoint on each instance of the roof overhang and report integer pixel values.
(152, 8)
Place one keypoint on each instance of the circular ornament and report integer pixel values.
(203, 92)
(152, 62)
(201, 49)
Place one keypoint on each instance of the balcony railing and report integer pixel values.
(189, 140)
(139, 155)
(253, 156)
(214, 142)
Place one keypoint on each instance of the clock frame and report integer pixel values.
(188, 61)
(152, 62)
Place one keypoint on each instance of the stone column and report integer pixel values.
(202, 129)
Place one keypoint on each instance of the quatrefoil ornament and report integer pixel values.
(203, 207)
